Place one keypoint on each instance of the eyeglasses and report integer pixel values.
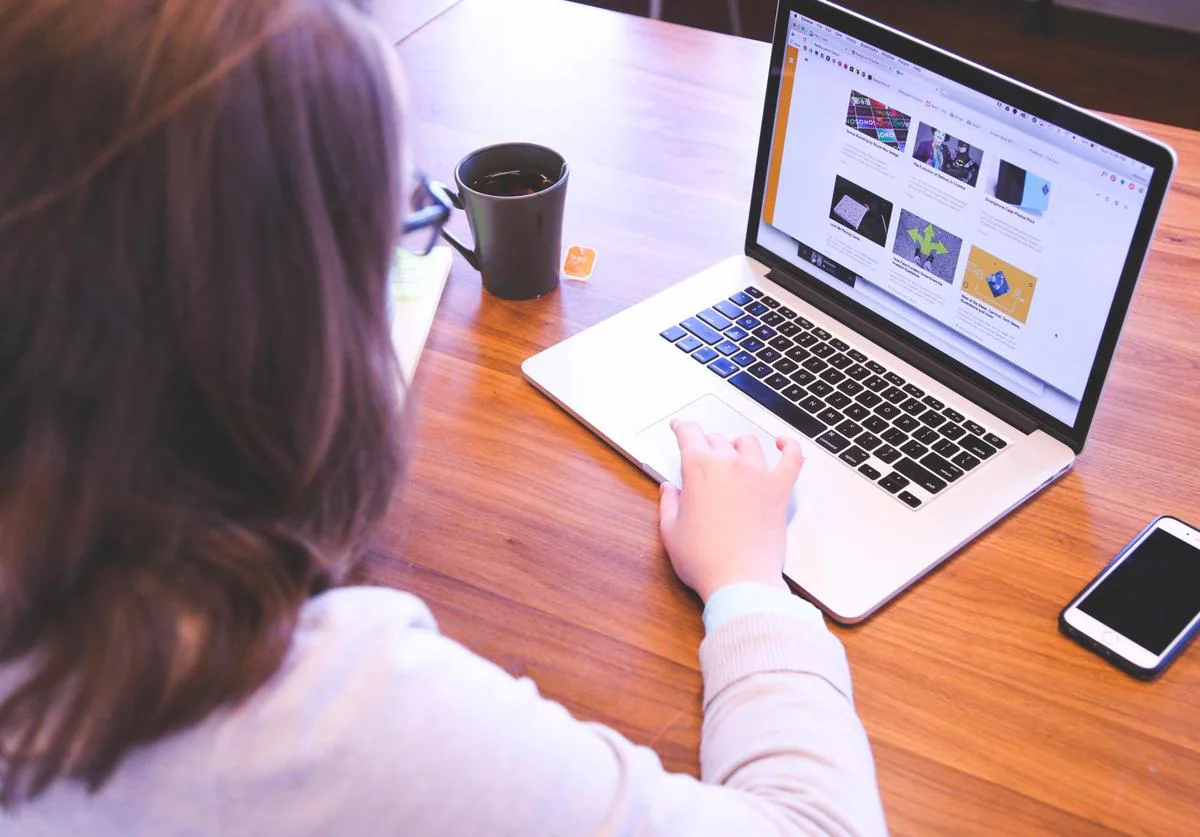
(431, 205)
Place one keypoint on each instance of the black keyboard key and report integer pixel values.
(945, 447)
(972, 427)
(914, 390)
(895, 436)
(933, 419)
(911, 499)
(875, 383)
(705, 355)
(752, 344)
(759, 369)
(729, 309)
(839, 361)
(777, 404)
(798, 353)
(741, 298)
(913, 407)
(832, 376)
(975, 445)
(926, 435)
(965, 461)
(769, 355)
(757, 308)
(849, 429)
(830, 416)
(857, 356)
(789, 328)
(851, 387)
(941, 467)
(737, 334)
(747, 322)
(795, 392)
(907, 423)
(813, 404)
(821, 333)
(913, 448)
(895, 395)
(820, 388)
(867, 398)
(857, 371)
(839, 344)
(744, 358)
(803, 322)
(822, 349)
(723, 367)
(887, 454)
(855, 456)
(764, 333)
(893, 482)
(814, 364)
(689, 344)
(803, 376)
(868, 472)
(856, 411)
(953, 415)
(887, 410)
(806, 338)
(702, 330)
(994, 440)
(780, 343)
(839, 400)
(875, 424)
(931, 483)
(877, 368)
(754, 292)
(786, 366)
(893, 378)
(770, 302)
(716, 319)
(727, 347)
(951, 431)
(673, 333)
(932, 403)
(787, 312)
(830, 440)
(773, 318)
(868, 441)
(777, 381)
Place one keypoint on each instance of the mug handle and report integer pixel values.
(467, 253)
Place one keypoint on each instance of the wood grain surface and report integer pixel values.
(536, 545)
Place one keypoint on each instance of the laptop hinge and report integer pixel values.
(959, 383)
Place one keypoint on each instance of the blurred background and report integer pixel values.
(1138, 58)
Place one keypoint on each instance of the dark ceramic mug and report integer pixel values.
(518, 232)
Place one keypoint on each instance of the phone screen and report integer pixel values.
(1153, 595)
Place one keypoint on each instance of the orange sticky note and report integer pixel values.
(579, 262)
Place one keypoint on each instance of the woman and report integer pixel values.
(199, 432)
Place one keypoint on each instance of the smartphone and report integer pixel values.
(1144, 607)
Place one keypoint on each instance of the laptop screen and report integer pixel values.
(987, 232)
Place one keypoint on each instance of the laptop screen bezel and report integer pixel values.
(1157, 155)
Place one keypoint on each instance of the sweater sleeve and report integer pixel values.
(382, 726)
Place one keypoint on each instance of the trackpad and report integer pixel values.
(659, 450)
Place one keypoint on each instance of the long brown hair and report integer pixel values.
(198, 422)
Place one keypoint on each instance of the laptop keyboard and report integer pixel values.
(889, 430)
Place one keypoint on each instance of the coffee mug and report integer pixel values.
(513, 195)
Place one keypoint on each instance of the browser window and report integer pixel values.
(986, 232)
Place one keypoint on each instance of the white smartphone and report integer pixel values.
(1144, 607)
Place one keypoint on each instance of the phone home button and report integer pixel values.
(1110, 638)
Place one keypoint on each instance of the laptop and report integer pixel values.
(937, 264)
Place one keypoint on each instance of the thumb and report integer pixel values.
(668, 506)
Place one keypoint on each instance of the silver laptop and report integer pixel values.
(938, 262)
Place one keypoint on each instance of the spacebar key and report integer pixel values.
(777, 404)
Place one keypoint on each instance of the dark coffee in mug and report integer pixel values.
(511, 184)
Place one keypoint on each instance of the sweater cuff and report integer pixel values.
(744, 597)
(756, 643)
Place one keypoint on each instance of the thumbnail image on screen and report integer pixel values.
(950, 155)
(860, 210)
(1021, 189)
(878, 121)
(929, 247)
(1004, 287)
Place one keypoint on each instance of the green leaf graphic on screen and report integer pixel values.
(928, 246)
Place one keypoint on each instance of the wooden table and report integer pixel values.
(537, 546)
